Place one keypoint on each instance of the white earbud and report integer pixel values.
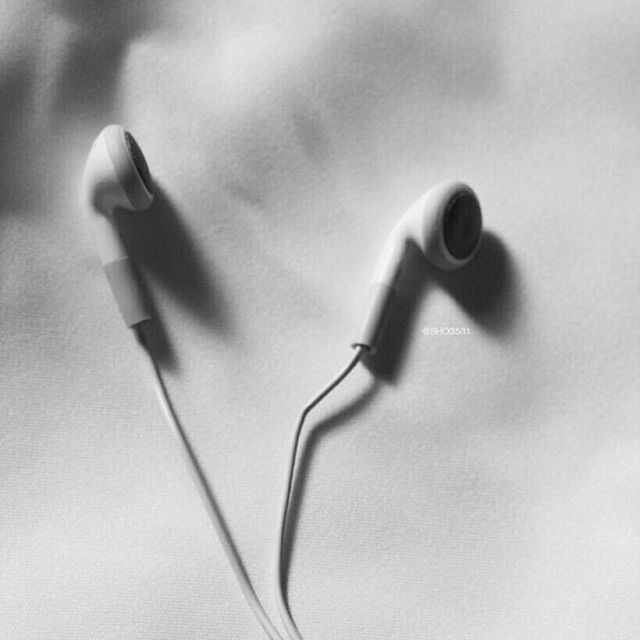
(116, 175)
(446, 225)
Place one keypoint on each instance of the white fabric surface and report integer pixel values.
(483, 486)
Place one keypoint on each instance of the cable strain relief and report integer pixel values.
(127, 292)
(380, 301)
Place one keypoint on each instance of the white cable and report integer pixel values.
(281, 596)
(202, 485)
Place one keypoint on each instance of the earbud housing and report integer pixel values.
(445, 224)
(115, 176)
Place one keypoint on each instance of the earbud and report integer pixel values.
(445, 224)
(116, 175)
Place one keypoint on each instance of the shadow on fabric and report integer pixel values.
(18, 161)
(164, 251)
(486, 290)
(101, 32)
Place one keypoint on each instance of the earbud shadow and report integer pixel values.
(308, 450)
(164, 250)
(486, 289)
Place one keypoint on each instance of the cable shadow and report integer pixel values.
(308, 449)
(486, 289)
(164, 249)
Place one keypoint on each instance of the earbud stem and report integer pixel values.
(381, 298)
(382, 291)
(117, 267)
(449, 211)
(127, 292)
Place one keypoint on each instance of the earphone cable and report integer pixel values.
(202, 485)
(281, 597)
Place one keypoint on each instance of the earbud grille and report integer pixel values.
(462, 225)
(138, 160)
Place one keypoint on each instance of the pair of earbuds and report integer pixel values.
(445, 224)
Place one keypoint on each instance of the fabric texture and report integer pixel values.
(479, 485)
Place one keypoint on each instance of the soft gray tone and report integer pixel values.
(482, 486)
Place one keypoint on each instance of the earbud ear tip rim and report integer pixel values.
(456, 257)
(130, 166)
(139, 161)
